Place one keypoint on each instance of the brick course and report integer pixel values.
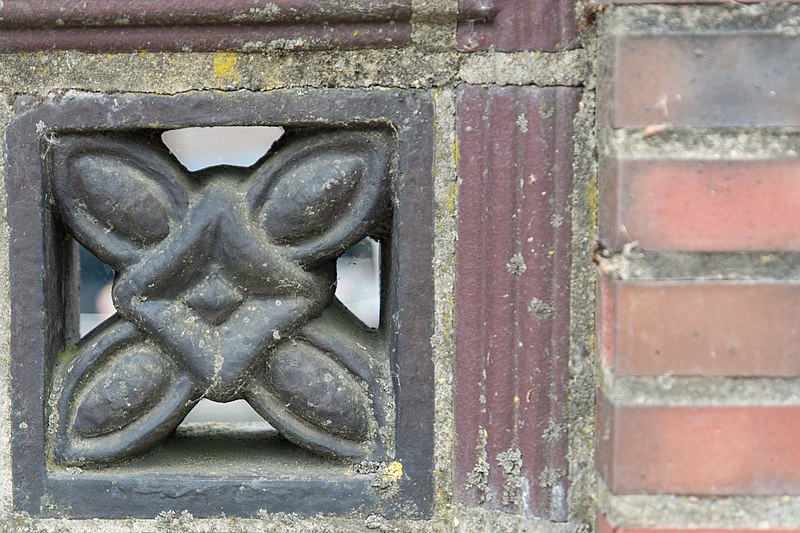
(742, 78)
(699, 192)
(702, 205)
(714, 451)
(701, 328)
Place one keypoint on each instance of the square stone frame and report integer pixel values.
(40, 286)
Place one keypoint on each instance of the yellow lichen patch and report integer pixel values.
(394, 471)
(452, 198)
(593, 200)
(224, 64)
(516, 400)
(456, 153)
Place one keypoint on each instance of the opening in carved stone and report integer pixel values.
(241, 146)
(221, 413)
(358, 281)
(96, 278)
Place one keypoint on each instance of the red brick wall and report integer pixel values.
(698, 411)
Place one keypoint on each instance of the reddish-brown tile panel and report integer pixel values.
(23, 13)
(516, 25)
(512, 302)
(201, 25)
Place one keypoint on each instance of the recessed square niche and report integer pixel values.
(224, 290)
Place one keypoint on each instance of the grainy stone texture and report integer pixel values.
(582, 366)
(6, 116)
(446, 210)
(569, 68)
(691, 512)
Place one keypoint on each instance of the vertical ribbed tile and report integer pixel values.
(512, 306)
(516, 25)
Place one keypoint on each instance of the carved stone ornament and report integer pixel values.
(224, 289)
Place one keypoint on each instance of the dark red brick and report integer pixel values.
(702, 79)
(517, 25)
(512, 296)
(713, 451)
(702, 205)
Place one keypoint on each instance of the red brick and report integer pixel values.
(703, 328)
(715, 451)
(702, 79)
(606, 319)
(516, 25)
(602, 525)
(706, 205)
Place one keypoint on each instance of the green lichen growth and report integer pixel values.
(510, 462)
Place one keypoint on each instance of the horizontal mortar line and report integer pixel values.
(568, 68)
(691, 391)
(683, 18)
(633, 264)
(665, 511)
(682, 143)
(721, 31)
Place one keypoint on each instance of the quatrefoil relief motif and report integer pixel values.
(224, 290)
